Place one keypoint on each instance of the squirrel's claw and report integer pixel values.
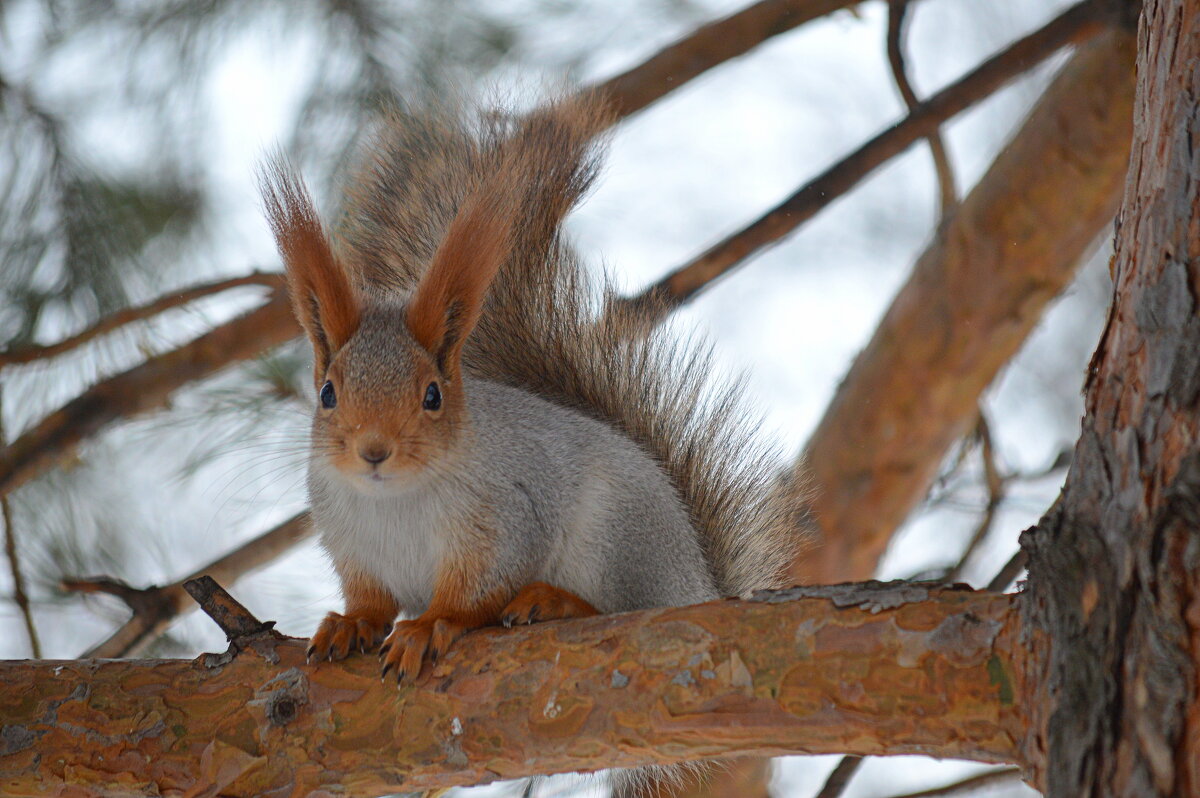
(339, 634)
(539, 601)
(413, 642)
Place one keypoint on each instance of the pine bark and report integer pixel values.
(1114, 583)
(899, 668)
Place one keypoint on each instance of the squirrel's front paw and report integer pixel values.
(339, 634)
(410, 641)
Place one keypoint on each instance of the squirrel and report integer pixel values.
(488, 446)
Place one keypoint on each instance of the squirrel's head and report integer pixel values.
(388, 375)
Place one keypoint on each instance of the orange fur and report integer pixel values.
(365, 419)
(458, 606)
(450, 296)
(322, 297)
(370, 610)
(539, 601)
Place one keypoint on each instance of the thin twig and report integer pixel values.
(228, 613)
(996, 486)
(1005, 576)
(156, 608)
(1077, 24)
(708, 46)
(986, 779)
(840, 777)
(126, 316)
(20, 597)
(897, 12)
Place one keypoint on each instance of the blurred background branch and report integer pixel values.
(897, 13)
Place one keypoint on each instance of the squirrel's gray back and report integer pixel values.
(542, 331)
(617, 533)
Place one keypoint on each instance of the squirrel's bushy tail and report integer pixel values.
(542, 329)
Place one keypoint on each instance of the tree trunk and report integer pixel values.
(1115, 567)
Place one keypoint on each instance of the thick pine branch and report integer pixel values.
(871, 669)
(974, 296)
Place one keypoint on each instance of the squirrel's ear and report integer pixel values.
(449, 299)
(322, 297)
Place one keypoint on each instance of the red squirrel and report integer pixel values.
(487, 445)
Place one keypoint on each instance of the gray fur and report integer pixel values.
(574, 503)
(541, 333)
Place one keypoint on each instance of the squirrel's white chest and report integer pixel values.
(398, 540)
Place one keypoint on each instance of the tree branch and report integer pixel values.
(20, 597)
(707, 47)
(897, 11)
(126, 316)
(144, 387)
(839, 777)
(156, 608)
(987, 779)
(996, 487)
(973, 297)
(226, 611)
(1077, 24)
(878, 669)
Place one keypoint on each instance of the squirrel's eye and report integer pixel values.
(433, 397)
(328, 397)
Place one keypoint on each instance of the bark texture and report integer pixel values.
(1115, 568)
(874, 669)
(973, 297)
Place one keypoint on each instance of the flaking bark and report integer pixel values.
(1115, 569)
(874, 669)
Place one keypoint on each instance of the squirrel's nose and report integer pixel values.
(374, 453)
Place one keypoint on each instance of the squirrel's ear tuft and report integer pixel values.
(449, 299)
(322, 297)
